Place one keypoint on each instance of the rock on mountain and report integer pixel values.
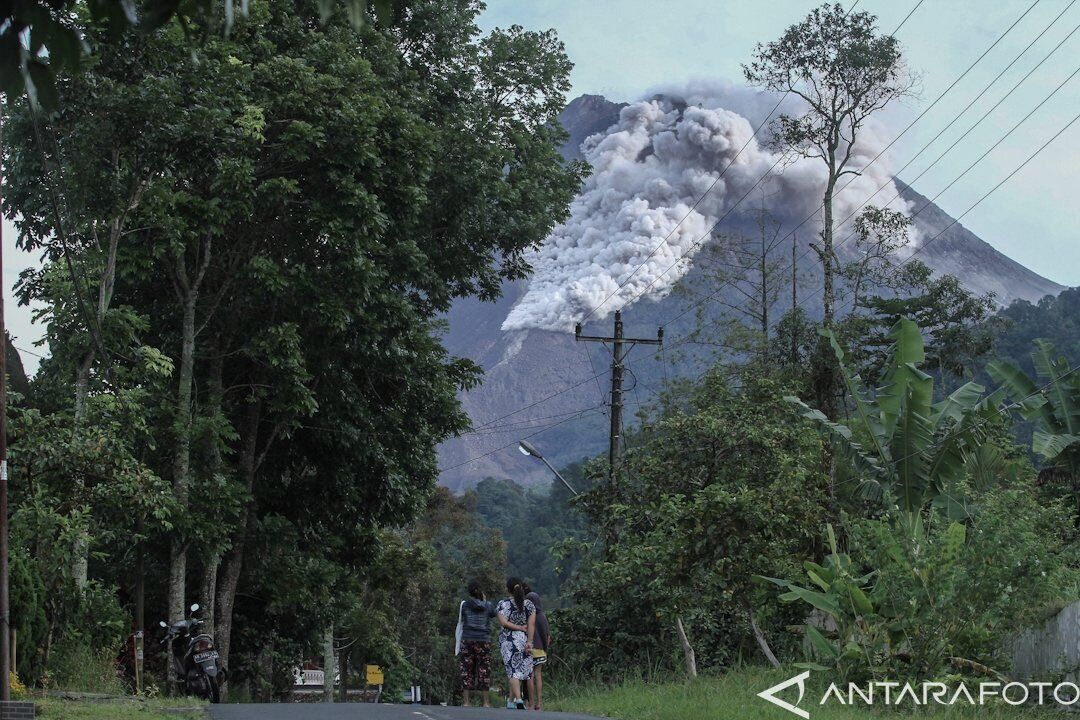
(544, 384)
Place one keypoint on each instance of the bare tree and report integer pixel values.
(844, 71)
(754, 269)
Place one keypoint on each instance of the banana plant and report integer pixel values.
(908, 450)
(1052, 407)
(846, 602)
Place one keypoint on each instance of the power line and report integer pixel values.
(723, 172)
(804, 253)
(708, 233)
(985, 195)
(686, 339)
(956, 142)
(584, 413)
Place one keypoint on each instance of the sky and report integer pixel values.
(623, 48)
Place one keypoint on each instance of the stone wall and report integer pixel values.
(15, 710)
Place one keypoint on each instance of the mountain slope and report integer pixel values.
(556, 379)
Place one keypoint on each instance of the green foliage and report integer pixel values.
(906, 449)
(953, 320)
(715, 494)
(734, 695)
(541, 527)
(39, 40)
(276, 219)
(919, 603)
(1052, 407)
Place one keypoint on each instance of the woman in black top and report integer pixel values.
(475, 656)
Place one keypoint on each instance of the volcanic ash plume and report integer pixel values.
(648, 170)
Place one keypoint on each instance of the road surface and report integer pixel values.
(371, 711)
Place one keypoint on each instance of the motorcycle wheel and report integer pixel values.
(212, 690)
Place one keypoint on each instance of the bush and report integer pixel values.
(76, 666)
(713, 494)
(958, 591)
(920, 600)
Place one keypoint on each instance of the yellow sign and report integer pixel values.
(374, 674)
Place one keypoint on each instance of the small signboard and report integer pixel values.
(374, 674)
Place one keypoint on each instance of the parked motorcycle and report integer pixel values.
(194, 657)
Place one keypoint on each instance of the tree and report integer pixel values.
(1054, 409)
(906, 450)
(723, 490)
(844, 71)
(319, 196)
(954, 322)
(41, 40)
(756, 270)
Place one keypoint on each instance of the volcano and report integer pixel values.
(544, 384)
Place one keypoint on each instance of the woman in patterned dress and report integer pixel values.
(518, 619)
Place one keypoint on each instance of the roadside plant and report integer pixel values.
(941, 599)
(908, 451)
(1053, 407)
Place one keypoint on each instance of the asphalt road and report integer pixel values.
(371, 711)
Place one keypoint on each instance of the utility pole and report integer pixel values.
(5, 609)
(620, 348)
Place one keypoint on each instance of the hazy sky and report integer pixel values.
(622, 48)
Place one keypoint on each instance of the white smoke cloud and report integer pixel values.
(649, 169)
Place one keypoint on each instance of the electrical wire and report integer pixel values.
(723, 172)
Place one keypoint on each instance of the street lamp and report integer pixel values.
(527, 448)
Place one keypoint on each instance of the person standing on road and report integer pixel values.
(540, 648)
(518, 619)
(474, 649)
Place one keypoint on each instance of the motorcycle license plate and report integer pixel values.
(204, 656)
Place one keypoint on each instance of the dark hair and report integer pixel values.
(516, 587)
(475, 589)
(525, 586)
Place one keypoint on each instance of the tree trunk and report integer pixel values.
(688, 651)
(80, 553)
(826, 361)
(229, 580)
(182, 458)
(329, 670)
(761, 641)
(828, 299)
(208, 592)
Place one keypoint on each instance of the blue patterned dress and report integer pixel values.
(518, 663)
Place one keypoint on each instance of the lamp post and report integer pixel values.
(527, 448)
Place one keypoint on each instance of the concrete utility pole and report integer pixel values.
(618, 355)
(5, 610)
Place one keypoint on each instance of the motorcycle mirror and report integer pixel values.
(194, 607)
(163, 624)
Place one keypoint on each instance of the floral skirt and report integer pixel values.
(518, 663)
(475, 662)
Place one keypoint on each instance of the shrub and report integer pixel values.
(918, 600)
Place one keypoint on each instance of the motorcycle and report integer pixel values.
(194, 657)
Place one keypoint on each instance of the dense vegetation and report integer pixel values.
(249, 243)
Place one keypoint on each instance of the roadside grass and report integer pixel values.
(734, 696)
(125, 709)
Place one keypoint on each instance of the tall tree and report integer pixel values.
(317, 197)
(844, 71)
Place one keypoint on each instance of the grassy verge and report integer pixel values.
(126, 709)
(734, 696)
